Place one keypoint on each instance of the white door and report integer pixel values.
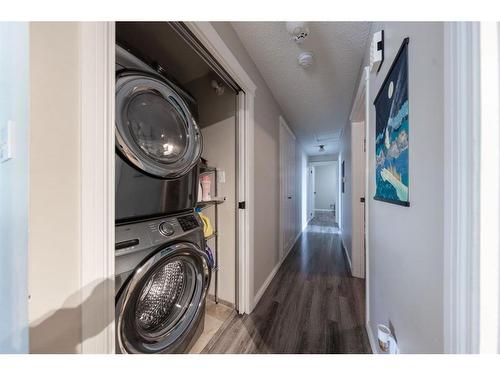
(288, 200)
(358, 196)
(291, 192)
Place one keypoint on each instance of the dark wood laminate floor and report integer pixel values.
(312, 305)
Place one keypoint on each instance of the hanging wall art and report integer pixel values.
(392, 133)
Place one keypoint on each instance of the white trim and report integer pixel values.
(266, 283)
(361, 112)
(322, 209)
(367, 192)
(307, 223)
(489, 194)
(320, 163)
(371, 339)
(461, 187)
(209, 37)
(97, 73)
(285, 125)
(347, 256)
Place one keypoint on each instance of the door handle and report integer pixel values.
(289, 197)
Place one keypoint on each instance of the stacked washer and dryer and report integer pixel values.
(162, 270)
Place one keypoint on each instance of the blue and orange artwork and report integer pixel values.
(392, 133)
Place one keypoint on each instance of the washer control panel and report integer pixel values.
(188, 222)
(167, 229)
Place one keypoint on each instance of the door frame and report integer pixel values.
(361, 112)
(471, 187)
(212, 41)
(461, 187)
(311, 195)
(311, 175)
(97, 95)
(97, 222)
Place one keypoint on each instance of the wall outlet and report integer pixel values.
(6, 141)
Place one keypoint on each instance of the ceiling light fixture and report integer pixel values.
(298, 30)
(217, 86)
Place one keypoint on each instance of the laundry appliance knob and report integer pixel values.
(166, 229)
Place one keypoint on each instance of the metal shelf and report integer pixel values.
(204, 204)
(213, 235)
(205, 170)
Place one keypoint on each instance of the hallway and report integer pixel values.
(312, 305)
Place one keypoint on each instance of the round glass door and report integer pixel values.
(155, 130)
(162, 300)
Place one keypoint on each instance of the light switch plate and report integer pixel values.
(221, 176)
(6, 141)
(377, 51)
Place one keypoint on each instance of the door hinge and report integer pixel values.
(241, 205)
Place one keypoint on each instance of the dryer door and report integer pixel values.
(155, 130)
(158, 309)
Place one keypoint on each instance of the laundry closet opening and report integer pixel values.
(176, 190)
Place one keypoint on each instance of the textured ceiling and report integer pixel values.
(317, 100)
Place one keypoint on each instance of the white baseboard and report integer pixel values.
(306, 224)
(346, 254)
(266, 283)
(371, 339)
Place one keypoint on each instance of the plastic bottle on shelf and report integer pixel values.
(205, 187)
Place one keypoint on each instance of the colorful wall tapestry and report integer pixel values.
(391, 133)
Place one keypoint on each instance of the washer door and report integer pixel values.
(160, 305)
(155, 131)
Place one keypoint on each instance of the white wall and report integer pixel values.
(406, 243)
(219, 148)
(325, 187)
(14, 106)
(54, 209)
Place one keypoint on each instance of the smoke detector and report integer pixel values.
(298, 30)
(305, 59)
